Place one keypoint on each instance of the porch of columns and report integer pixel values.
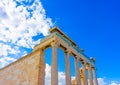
(94, 76)
(84, 72)
(54, 67)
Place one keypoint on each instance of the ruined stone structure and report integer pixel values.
(30, 69)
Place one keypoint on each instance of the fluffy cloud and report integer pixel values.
(114, 83)
(20, 21)
(6, 60)
(101, 81)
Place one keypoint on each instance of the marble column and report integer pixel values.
(90, 74)
(81, 77)
(95, 76)
(67, 64)
(42, 65)
(78, 82)
(84, 73)
(54, 67)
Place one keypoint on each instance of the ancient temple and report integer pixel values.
(30, 69)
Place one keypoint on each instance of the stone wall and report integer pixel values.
(25, 71)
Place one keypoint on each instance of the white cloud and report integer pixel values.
(61, 78)
(101, 81)
(47, 74)
(18, 24)
(114, 83)
(6, 60)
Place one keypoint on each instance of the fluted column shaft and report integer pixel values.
(67, 64)
(54, 68)
(41, 74)
(90, 75)
(77, 72)
(95, 76)
(84, 73)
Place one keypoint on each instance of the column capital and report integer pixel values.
(54, 43)
(88, 65)
(67, 51)
(93, 68)
(82, 61)
(78, 58)
(42, 49)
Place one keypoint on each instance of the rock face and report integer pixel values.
(25, 71)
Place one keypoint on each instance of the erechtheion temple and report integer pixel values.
(30, 69)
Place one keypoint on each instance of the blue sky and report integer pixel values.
(92, 25)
